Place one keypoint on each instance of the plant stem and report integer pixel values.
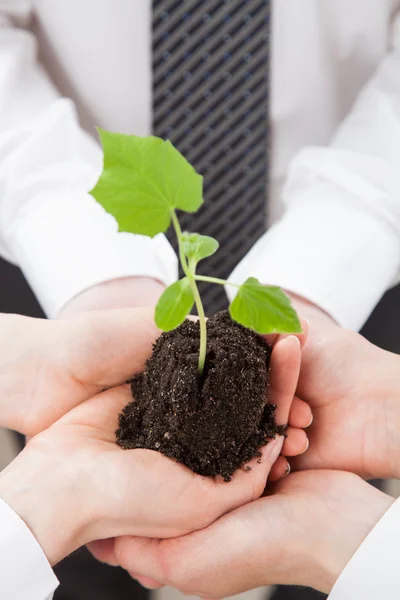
(203, 325)
(215, 280)
(178, 232)
(190, 274)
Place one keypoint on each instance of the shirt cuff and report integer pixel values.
(330, 252)
(373, 572)
(25, 571)
(66, 242)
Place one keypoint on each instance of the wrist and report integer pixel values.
(127, 292)
(42, 495)
(390, 403)
(350, 520)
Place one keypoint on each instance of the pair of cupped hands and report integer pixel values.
(62, 384)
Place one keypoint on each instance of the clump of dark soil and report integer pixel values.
(213, 423)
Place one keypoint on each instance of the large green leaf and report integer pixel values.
(265, 309)
(174, 305)
(142, 180)
(196, 246)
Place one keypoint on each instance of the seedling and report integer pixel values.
(145, 180)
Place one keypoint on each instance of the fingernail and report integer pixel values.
(288, 469)
(293, 337)
(311, 420)
(307, 445)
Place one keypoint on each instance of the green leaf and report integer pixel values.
(144, 178)
(196, 246)
(174, 305)
(265, 309)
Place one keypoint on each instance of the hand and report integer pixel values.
(303, 534)
(353, 390)
(128, 292)
(49, 367)
(75, 475)
(143, 291)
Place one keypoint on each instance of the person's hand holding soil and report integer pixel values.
(352, 388)
(75, 475)
(304, 533)
(285, 363)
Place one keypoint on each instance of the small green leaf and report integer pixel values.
(196, 246)
(265, 309)
(142, 180)
(174, 305)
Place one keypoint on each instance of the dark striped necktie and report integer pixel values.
(210, 87)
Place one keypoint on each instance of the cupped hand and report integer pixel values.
(49, 367)
(304, 533)
(285, 364)
(72, 484)
(353, 389)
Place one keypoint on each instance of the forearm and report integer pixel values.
(37, 492)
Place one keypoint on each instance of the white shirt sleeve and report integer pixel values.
(373, 572)
(24, 569)
(49, 225)
(338, 244)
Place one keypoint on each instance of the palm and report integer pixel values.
(119, 483)
(111, 476)
(351, 388)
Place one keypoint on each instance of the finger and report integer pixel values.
(285, 369)
(302, 336)
(118, 343)
(126, 548)
(78, 358)
(202, 563)
(246, 485)
(296, 442)
(103, 551)
(147, 582)
(300, 414)
(279, 470)
(100, 414)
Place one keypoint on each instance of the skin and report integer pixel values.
(98, 490)
(312, 522)
(296, 535)
(353, 390)
(145, 292)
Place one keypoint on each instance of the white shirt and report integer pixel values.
(24, 570)
(335, 112)
(335, 115)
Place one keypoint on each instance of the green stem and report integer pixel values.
(203, 325)
(215, 280)
(195, 290)
(178, 232)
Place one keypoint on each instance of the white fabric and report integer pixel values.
(373, 572)
(24, 569)
(334, 108)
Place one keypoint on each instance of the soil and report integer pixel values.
(213, 423)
